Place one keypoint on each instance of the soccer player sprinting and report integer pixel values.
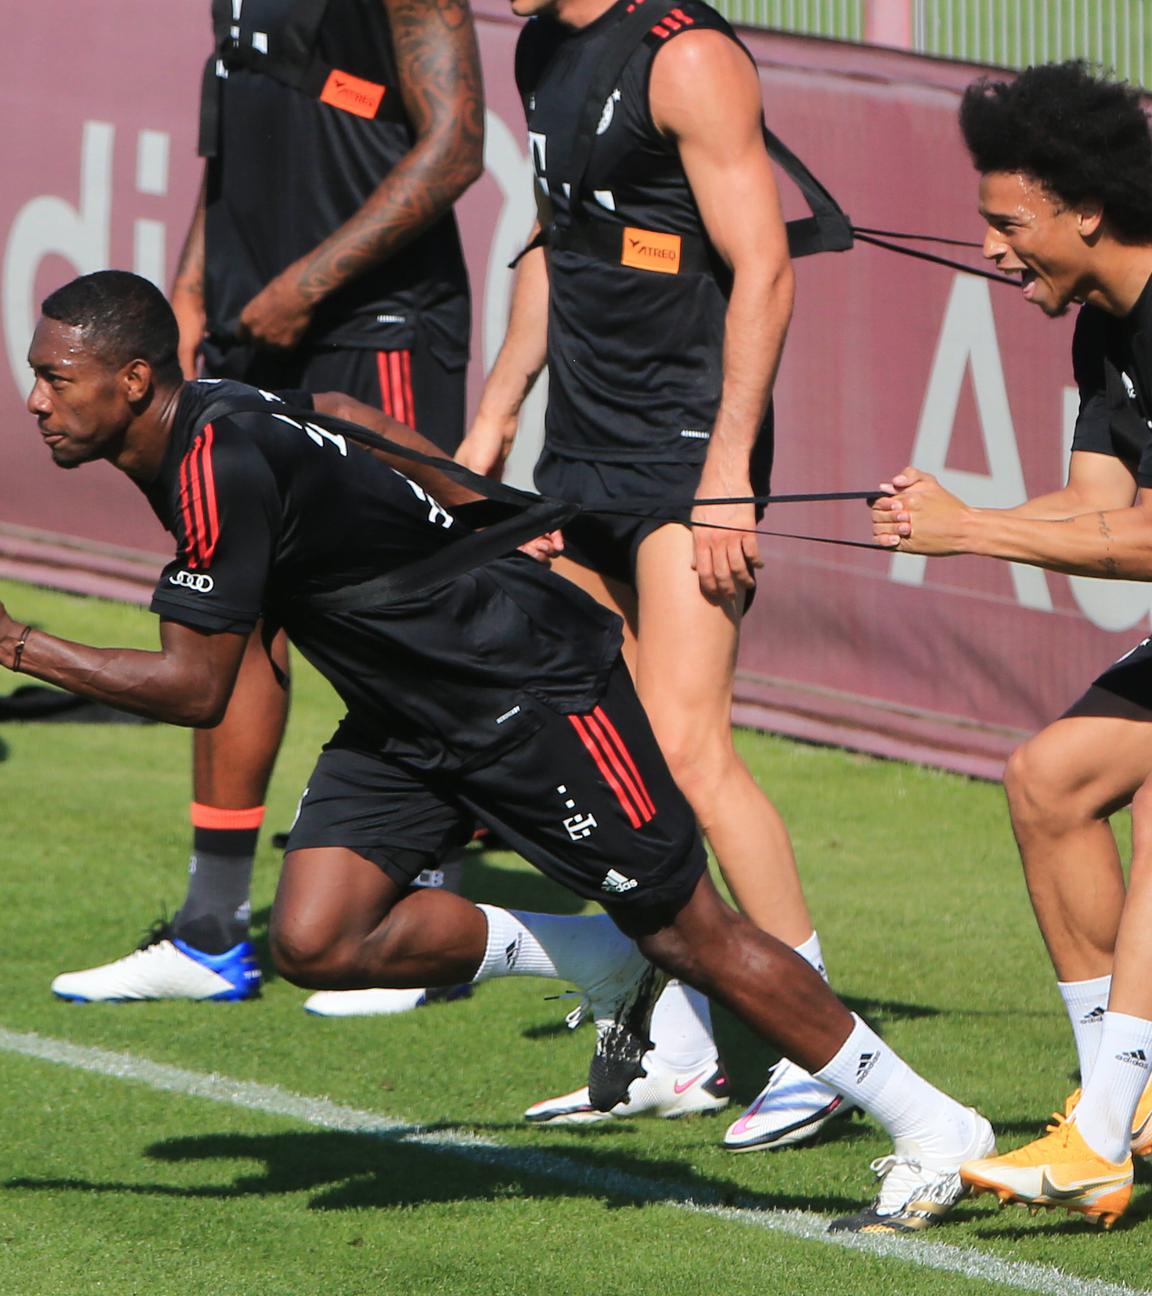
(498, 691)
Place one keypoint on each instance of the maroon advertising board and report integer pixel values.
(889, 361)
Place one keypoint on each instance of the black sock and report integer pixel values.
(216, 911)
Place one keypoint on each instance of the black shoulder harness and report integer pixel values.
(828, 229)
(292, 61)
(509, 516)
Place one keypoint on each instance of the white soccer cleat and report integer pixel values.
(918, 1190)
(166, 968)
(379, 1003)
(661, 1092)
(792, 1106)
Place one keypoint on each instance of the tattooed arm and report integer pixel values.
(917, 515)
(188, 292)
(439, 70)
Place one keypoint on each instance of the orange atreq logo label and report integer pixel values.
(342, 90)
(650, 250)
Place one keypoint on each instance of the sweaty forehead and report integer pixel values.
(1013, 193)
(56, 345)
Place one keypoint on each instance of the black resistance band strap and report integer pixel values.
(514, 516)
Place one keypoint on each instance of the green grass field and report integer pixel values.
(223, 1150)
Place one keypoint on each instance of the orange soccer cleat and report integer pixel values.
(1059, 1171)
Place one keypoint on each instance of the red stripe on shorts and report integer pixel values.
(409, 396)
(589, 739)
(396, 397)
(615, 743)
(385, 383)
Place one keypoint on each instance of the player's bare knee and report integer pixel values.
(700, 765)
(1045, 791)
(307, 959)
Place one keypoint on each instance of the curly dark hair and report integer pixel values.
(1084, 137)
(122, 317)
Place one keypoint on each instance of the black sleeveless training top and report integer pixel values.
(637, 293)
(287, 167)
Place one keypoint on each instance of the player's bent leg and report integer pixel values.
(777, 994)
(204, 953)
(1062, 785)
(688, 696)
(340, 922)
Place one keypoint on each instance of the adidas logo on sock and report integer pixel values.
(864, 1066)
(1134, 1057)
(1093, 1017)
(512, 952)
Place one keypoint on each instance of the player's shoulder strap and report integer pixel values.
(828, 229)
(509, 516)
(288, 55)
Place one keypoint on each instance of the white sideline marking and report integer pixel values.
(971, 1263)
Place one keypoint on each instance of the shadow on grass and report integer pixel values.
(346, 1171)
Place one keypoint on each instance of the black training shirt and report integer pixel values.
(635, 351)
(290, 169)
(1112, 360)
(266, 511)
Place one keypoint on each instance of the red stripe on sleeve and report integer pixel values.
(194, 514)
(643, 796)
(186, 509)
(579, 724)
(212, 518)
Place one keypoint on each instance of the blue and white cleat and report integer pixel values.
(166, 968)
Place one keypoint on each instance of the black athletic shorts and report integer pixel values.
(414, 387)
(1131, 676)
(609, 543)
(587, 799)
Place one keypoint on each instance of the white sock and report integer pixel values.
(1085, 1003)
(682, 1029)
(811, 953)
(1106, 1108)
(867, 1072)
(577, 948)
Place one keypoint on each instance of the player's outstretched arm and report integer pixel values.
(188, 682)
(916, 514)
(919, 516)
(439, 69)
(522, 356)
(705, 94)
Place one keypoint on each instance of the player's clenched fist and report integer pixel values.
(915, 514)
